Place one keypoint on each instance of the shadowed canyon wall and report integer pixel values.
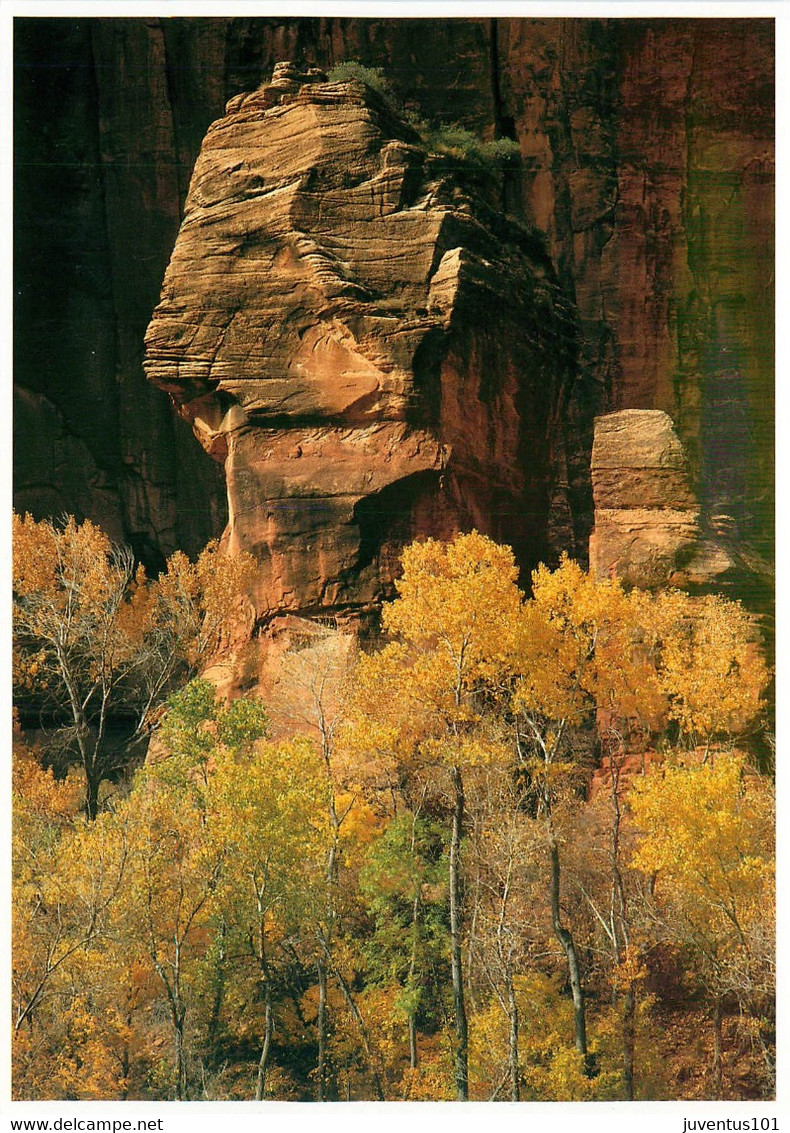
(646, 170)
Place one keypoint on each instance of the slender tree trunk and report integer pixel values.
(181, 1060)
(565, 937)
(126, 1061)
(415, 929)
(629, 1041)
(621, 937)
(363, 1032)
(512, 1007)
(92, 784)
(461, 1029)
(92, 800)
(268, 1027)
(87, 750)
(177, 1017)
(219, 990)
(413, 1053)
(718, 1015)
(325, 937)
(322, 1023)
(268, 1011)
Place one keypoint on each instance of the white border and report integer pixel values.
(391, 1117)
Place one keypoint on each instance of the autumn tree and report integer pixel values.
(712, 672)
(577, 661)
(709, 665)
(706, 842)
(312, 695)
(167, 902)
(169, 895)
(426, 692)
(403, 882)
(99, 644)
(46, 931)
(265, 813)
(595, 659)
(504, 871)
(70, 1031)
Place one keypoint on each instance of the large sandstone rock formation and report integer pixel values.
(646, 163)
(371, 349)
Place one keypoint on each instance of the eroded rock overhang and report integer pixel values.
(372, 350)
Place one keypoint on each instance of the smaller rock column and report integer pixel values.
(647, 518)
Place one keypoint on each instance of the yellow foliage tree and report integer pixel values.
(167, 897)
(175, 862)
(551, 1070)
(709, 663)
(99, 641)
(579, 657)
(63, 898)
(266, 813)
(425, 693)
(706, 837)
(628, 662)
(579, 660)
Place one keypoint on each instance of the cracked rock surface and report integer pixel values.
(367, 345)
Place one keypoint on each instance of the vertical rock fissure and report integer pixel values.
(110, 387)
(172, 102)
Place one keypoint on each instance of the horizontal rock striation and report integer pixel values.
(646, 163)
(648, 531)
(369, 347)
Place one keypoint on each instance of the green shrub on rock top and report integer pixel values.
(458, 142)
(453, 140)
(351, 71)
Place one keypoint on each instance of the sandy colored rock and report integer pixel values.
(639, 462)
(647, 520)
(364, 341)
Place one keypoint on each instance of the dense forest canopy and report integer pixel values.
(521, 850)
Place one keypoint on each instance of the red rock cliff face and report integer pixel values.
(369, 348)
(646, 164)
